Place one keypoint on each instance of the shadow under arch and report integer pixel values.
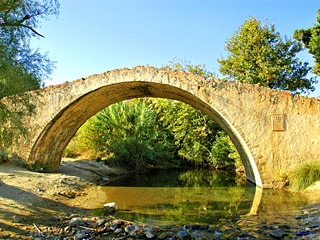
(48, 149)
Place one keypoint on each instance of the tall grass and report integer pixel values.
(305, 175)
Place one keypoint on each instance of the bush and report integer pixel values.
(305, 175)
(3, 157)
(131, 154)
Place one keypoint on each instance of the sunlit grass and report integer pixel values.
(305, 175)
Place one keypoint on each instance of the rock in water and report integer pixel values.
(110, 207)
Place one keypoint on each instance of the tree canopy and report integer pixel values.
(311, 39)
(259, 55)
(186, 66)
(21, 68)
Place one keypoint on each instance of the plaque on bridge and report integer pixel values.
(278, 120)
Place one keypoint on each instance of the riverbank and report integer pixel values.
(30, 197)
(32, 202)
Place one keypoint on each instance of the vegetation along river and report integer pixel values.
(183, 196)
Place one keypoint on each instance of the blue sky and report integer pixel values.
(95, 36)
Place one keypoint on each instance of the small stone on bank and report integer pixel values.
(129, 228)
(74, 222)
(118, 230)
(80, 235)
(149, 235)
(183, 235)
(113, 227)
(277, 233)
(110, 206)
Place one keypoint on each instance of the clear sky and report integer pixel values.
(95, 36)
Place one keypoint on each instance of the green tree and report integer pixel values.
(193, 131)
(259, 55)
(311, 39)
(21, 68)
(186, 66)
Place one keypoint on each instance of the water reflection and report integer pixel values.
(192, 196)
(180, 178)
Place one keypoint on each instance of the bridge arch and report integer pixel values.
(245, 112)
(49, 147)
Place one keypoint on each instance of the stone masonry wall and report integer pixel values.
(246, 112)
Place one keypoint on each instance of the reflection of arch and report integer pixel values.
(49, 146)
(256, 201)
(251, 199)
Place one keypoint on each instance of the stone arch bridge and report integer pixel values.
(272, 130)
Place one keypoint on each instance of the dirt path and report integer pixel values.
(29, 197)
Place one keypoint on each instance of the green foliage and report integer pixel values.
(196, 135)
(259, 55)
(311, 39)
(186, 66)
(21, 68)
(129, 133)
(4, 156)
(223, 153)
(305, 175)
(193, 132)
(132, 154)
(137, 133)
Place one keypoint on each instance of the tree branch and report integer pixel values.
(20, 25)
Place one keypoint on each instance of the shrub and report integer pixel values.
(3, 157)
(305, 175)
(131, 154)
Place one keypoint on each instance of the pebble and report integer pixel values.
(149, 235)
(183, 235)
(278, 233)
(116, 221)
(129, 228)
(101, 222)
(118, 230)
(80, 235)
(113, 227)
(76, 221)
(133, 234)
(79, 227)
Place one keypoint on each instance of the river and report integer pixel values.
(184, 196)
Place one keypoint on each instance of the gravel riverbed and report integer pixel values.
(305, 225)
